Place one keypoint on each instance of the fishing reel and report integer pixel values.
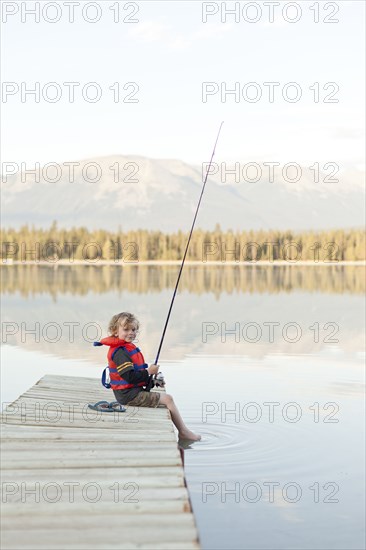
(156, 380)
(159, 381)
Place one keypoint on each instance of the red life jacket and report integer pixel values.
(116, 380)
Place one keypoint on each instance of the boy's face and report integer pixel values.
(127, 332)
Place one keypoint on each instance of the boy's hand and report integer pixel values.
(153, 369)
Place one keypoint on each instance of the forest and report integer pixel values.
(31, 244)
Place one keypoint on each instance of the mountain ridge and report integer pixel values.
(135, 192)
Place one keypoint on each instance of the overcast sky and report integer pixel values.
(169, 53)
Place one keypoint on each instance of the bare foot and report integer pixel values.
(189, 435)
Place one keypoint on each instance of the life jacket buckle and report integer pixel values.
(106, 381)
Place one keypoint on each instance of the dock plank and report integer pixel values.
(76, 478)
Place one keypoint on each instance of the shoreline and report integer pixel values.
(103, 263)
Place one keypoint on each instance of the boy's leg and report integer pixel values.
(184, 432)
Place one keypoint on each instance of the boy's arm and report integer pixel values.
(126, 371)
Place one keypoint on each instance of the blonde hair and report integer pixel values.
(124, 319)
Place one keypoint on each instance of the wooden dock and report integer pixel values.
(73, 478)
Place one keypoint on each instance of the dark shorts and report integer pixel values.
(145, 399)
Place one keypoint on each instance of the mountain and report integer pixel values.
(165, 193)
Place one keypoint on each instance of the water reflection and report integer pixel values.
(244, 311)
(81, 280)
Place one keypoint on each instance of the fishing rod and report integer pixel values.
(186, 250)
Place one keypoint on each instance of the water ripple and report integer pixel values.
(258, 445)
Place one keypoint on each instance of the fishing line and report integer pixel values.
(186, 250)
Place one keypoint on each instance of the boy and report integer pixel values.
(129, 373)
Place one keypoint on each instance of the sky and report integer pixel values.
(172, 57)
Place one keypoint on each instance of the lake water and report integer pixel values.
(267, 363)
